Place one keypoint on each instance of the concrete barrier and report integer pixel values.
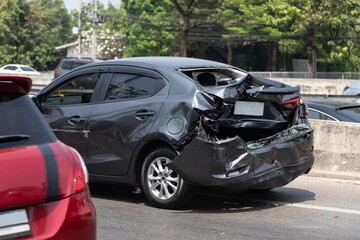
(337, 148)
(316, 85)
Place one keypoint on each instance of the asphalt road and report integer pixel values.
(308, 208)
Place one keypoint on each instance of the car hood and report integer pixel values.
(35, 174)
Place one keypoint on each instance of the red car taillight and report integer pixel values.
(294, 103)
(346, 87)
(306, 110)
(291, 104)
(81, 176)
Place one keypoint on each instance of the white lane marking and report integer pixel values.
(301, 205)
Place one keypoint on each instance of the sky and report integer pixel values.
(74, 4)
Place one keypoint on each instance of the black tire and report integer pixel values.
(162, 186)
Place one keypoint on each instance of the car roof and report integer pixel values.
(17, 65)
(169, 62)
(81, 60)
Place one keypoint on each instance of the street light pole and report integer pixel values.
(94, 27)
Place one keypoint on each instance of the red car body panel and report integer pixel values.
(64, 216)
(25, 171)
(45, 178)
(69, 218)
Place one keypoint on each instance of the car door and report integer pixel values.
(68, 105)
(124, 115)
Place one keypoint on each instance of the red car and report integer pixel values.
(44, 191)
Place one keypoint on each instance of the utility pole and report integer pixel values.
(94, 26)
(79, 29)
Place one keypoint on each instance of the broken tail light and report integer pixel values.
(81, 176)
(294, 103)
(291, 104)
(306, 109)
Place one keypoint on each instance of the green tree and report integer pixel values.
(30, 31)
(148, 27)
(311, 21)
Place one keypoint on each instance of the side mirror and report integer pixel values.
(37, 102)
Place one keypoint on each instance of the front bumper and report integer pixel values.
(231, 161)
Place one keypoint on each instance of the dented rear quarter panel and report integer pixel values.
(227, 162)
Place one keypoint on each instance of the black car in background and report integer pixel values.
(334, 110)
(169, 124)
(67, 64)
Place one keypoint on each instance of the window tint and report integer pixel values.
(27, 69)
(18, 117)
(67, 65)
(125, 86)
(318, 115)
(12, 68)
(78, 64)
(314, 115)
(76, 91)
(352, 113)
(325, 117)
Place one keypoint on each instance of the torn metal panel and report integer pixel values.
(293, 133)
(285, 155)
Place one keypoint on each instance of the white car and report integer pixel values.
(352, 89)
(18, 68)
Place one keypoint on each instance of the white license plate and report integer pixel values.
(249, 108)
(14, 223)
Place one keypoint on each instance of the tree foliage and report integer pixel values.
(30, 31)
(326, 32)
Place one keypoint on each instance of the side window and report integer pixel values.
(76, 91)
(12, 68)
(325, 117)
(314, 115)
(125, 86)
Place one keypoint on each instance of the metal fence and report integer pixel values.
(322, 75)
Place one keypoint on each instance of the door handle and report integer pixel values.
(76, 120)
(141, 115)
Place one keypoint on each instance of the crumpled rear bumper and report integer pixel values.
(231, 161)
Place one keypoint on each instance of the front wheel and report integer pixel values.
(162, 186)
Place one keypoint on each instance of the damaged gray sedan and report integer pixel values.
(169, 124)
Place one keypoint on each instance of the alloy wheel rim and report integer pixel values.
(163, 182)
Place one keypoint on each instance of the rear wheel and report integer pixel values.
(162, 186)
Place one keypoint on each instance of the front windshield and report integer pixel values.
(21, 124)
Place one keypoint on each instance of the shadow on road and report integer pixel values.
(210, 202)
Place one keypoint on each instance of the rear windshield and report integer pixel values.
(214, 76)
(21, 124)
(68, 65)
(352, 113)
(27, 69)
